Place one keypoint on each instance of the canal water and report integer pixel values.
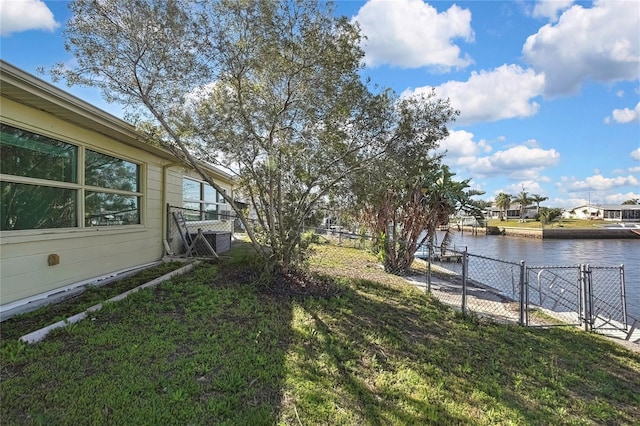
(546, 252)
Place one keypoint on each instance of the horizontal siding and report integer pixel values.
(85, 253)
(25, 271)
(39, 281)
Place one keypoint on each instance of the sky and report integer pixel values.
(548, 91)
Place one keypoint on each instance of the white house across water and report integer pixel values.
(607, 212)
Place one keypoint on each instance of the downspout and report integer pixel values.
(165, 218)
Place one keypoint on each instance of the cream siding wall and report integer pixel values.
(84, 252)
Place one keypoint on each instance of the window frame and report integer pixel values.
(202, 201)
(79, 186)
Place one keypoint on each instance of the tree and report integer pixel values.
(536, 198)
(524, 200)
(403, 217)
(483, 204)
(389, 192)
(269, 89)
(548, 215)
(445, 197)
(631, 202)
(503, 202)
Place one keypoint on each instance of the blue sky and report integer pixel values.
(549, 91)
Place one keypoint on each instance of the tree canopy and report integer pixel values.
(270, 90)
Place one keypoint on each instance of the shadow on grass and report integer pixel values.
(204, 348)
(387, 355)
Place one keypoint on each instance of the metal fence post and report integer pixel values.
(623, 297)
(465, 265)
(429, 248)
(523, 302)
(586, 296)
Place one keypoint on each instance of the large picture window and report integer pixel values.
(42, 187)
(115, 204)
(200, 200)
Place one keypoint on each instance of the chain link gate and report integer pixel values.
(592, 297)
(555, 292)
(605, 299)
(582, 295)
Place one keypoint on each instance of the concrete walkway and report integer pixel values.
(487, 302)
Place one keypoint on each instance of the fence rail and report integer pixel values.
(531, 295)
(583, 295)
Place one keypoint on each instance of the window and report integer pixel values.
(116, 203)
(200, 199)
(41, 188)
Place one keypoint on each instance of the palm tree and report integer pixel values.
(538, 199)
(524, 200)
(631, 202)
(503, 201)
(443, 196)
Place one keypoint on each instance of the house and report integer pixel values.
(513, 212)
(83, 197)
(607, 212)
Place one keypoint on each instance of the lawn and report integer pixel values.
(215, 347)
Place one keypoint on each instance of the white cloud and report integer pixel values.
(460, 145)
(519, 158)
(567, 203)
(620, 198)
(625, 115)
(598, 43)
(530, 186)
(634, 169)
(24, 15)
(635, 154)
(502, 93)
(595, 183)
(412, 34)
(550, 8)
(521, 163)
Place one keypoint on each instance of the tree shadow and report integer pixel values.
(398, 356)
(203, 348)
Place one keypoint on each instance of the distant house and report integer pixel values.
(513, 212)
(607, 212)
(82, 195)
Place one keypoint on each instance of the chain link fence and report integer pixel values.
(342, 237)
(508, 291)
(579, 295)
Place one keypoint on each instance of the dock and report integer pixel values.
(448, 257)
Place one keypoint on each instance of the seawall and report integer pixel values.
(568, 234)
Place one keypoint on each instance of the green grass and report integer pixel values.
(211, 348)
(18, 326)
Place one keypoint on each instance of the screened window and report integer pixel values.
(200, 200)
(27, 206)
(41, 186)
(27, 154)
(116, 204)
